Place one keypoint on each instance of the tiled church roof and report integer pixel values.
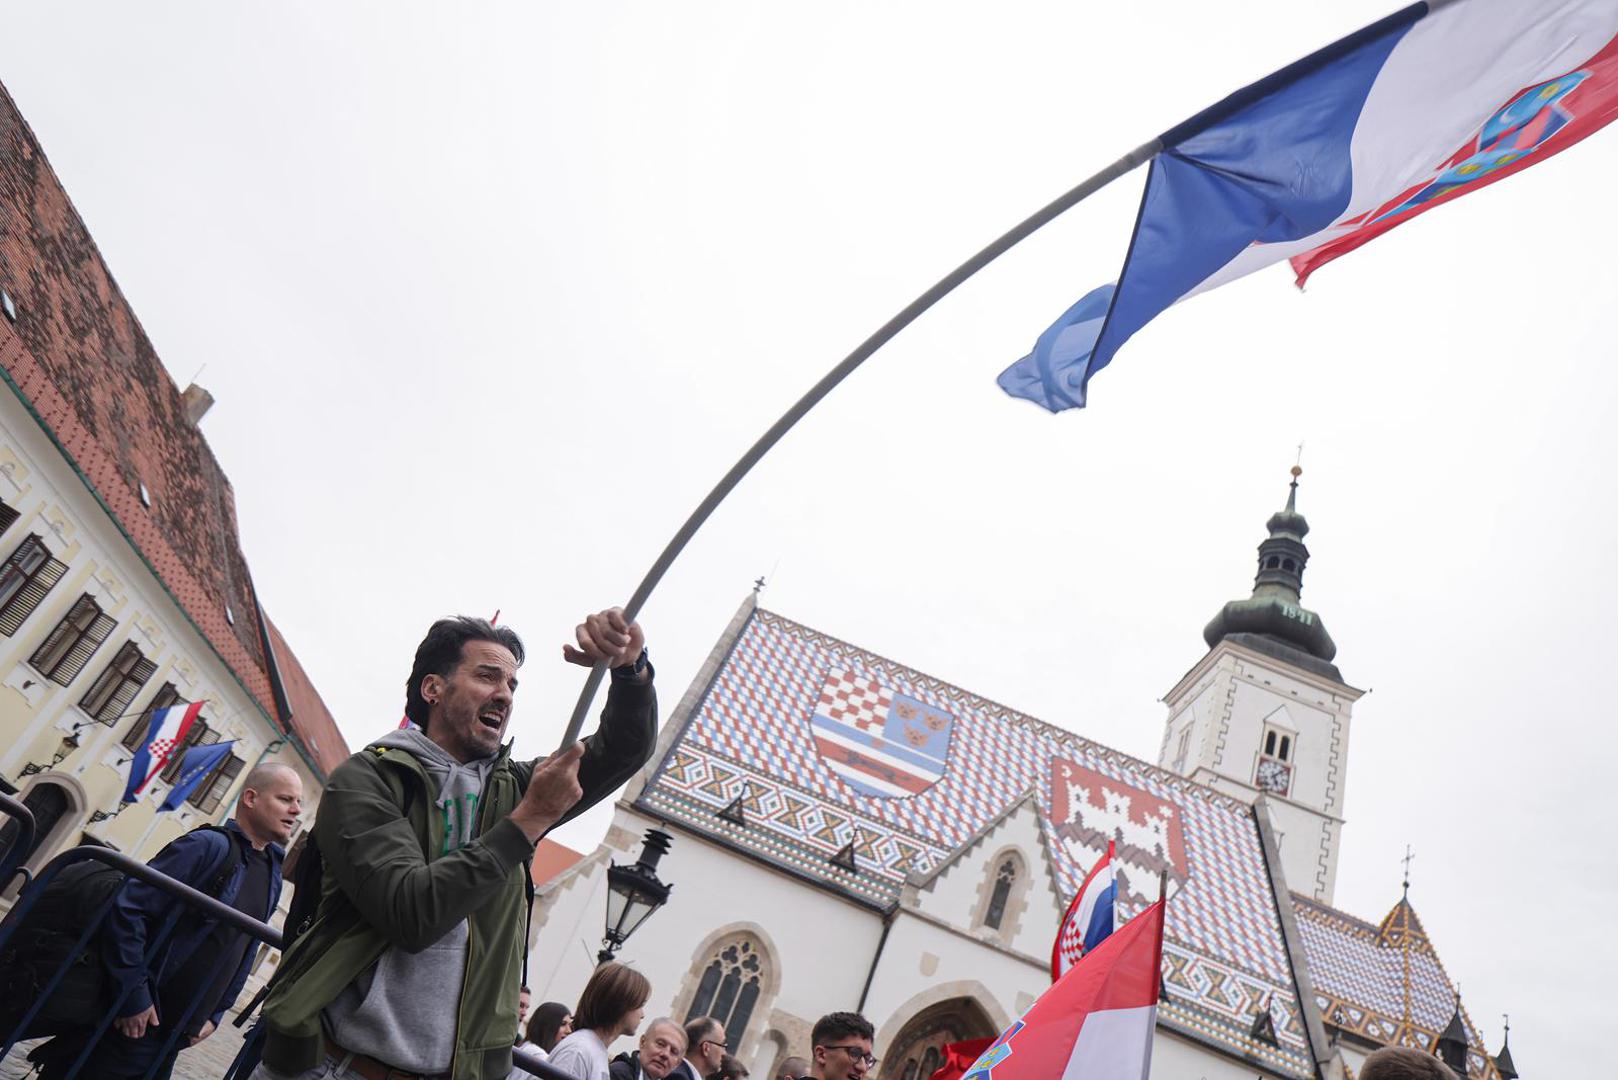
(1358, 969)
(750, 737)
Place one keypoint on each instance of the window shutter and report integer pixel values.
(8, 517)
(79, 655)
(47, 658)
(117, 686)
(166, 695)
(22, 604)
(219, 785)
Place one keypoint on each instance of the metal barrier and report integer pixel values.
(21, 844)
(134, 868)
(188, 897)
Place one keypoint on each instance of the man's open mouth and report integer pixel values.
(492, 719)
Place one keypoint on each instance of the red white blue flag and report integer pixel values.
(1096, 1021)
(165, 734)
(1435, 101)
(877, 740)
(1090, 918)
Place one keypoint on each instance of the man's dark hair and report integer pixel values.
(701, 1029)
(1403, 1063)
(840, 1025)
(441, 650)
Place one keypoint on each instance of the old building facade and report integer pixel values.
(123, 587)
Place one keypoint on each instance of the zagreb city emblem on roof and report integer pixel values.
(877, 740)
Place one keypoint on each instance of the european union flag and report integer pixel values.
(199, 763)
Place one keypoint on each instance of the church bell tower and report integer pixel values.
(1267, 712)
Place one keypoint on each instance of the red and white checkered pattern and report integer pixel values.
(859, 702)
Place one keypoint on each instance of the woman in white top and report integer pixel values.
(613, 1003)
(550, 1023)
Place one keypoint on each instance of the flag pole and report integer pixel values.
(1021, 231)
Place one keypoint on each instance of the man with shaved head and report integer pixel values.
(195, 976)
(662, 1045)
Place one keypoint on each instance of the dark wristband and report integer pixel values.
(632, 671)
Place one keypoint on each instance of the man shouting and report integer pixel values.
(413, 963)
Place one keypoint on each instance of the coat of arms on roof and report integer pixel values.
(1088, 809)
(877, 740)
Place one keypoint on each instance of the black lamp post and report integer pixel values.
(633, 893)
(64, 750)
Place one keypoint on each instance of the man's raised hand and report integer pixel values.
(552, 791)
(606, 636)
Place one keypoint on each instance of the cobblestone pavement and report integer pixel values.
(205, 1062)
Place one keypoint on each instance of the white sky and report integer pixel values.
(489, 298)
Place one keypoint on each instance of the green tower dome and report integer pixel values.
(1273, 620)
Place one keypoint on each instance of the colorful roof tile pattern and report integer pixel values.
(752, 736)
(1360, 978)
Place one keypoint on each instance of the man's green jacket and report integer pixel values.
(386, 884)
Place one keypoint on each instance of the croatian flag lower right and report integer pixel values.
(1091, 917)
(1096, 1022)
(1428, 105)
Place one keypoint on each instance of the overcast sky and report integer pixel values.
(489, 298)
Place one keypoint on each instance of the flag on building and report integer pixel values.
(197, 765)
(1095, 1022)
(1091, 916)
(164, 735)
(1433, 102)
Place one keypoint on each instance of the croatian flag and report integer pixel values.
(1435, 101)
(1096, 1022)
(166, 733)
(1090, 917)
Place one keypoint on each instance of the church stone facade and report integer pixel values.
(849, 833)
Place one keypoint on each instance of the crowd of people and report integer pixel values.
(407, 961)
(613, 1006)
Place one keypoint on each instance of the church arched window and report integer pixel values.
(1272, 563)
(730, 985)
(1288, 565)
(1004, 878)
(910, 1070)
(929, 1063)
(1002, 897)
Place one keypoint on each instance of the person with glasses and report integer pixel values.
(705, 1048)
(842, 1047)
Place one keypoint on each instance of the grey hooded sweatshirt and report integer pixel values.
(403, 1010)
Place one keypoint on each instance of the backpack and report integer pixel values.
(49, 937)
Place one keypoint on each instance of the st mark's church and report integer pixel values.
(852, 833)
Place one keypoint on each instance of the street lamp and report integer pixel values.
(64, 750)
(633, 893)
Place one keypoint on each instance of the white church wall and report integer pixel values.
(1308, 848)
(924, 963)
(960, 894)
(1177, 1058)
(817, 947)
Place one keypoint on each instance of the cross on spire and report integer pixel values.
(1409, 856)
